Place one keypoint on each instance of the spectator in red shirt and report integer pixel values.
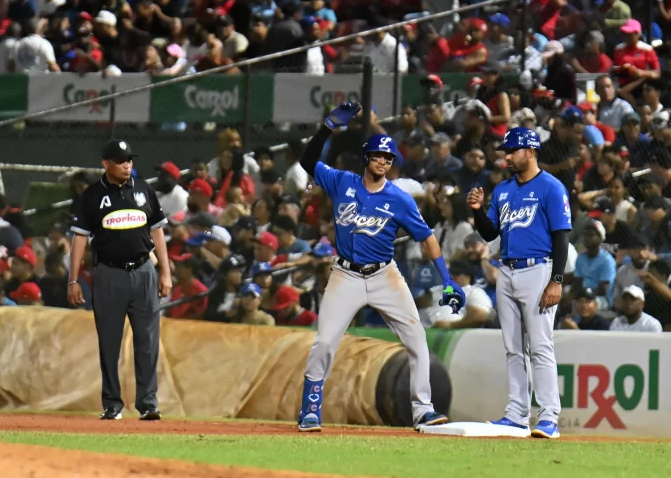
(439, 52)
(187, 285)
(289, 310)
(592, 59)
(234, 175)
(493, 94)
(467, 51)
(589, 111)
(634, 60)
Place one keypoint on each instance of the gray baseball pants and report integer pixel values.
(115, 293)
(524, 325)
(386, 291)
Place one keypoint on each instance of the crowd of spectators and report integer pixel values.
(252, 228)
(176, 37)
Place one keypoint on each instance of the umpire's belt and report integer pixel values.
(127, 266)
(523, 263)
(363, 269)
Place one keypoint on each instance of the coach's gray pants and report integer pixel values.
(117, 293)
(518, 296)
(386, 291)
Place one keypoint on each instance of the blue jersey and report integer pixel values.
(366, 223)
(526, 214)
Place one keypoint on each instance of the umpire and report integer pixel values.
(124, 218)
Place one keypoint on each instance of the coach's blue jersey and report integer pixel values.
(366, 223)
(526, 214)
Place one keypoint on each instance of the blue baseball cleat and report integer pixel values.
(508, 423)
(430, 419)
(310, 415)
(310, 423)
(545, 429)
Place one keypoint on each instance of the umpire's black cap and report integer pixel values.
(117, 150)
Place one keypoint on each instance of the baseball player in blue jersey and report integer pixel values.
(531, 213)
(368, 211)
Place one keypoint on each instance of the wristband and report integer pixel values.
(72, 282)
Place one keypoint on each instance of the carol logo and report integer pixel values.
(369, 225)
(73, 95)
(217, 103)
(592, 387)
(125, 219)
(320, 98)
(522, 217)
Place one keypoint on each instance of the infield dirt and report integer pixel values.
(18, 461)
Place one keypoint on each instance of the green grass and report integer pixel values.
(382, 456)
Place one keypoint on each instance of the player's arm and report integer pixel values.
(486, 224)
(559, 251)
(559, 220)
(313, 150)
(340, 116)
(81, 227)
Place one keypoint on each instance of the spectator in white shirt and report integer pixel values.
(478, 304)
(296, 179)
(171, 196)
(33, 53)
(611, 108)
(8, 44)
(234, 44)
(381, 48)
(634, 319)
(315, 58)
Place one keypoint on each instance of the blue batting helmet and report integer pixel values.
(520, 138)
(379, 143)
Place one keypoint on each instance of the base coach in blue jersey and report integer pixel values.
(531, 213)
(368, 211)
(124, 218)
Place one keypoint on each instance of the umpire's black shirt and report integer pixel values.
(120, 219)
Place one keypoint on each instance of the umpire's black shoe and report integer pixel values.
(111, 413)
(150, 414)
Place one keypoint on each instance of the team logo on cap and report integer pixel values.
(140, 199)
(122, 145)
(124, 219)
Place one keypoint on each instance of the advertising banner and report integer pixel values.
(216, 98)
(610, 383)
(13, 96)
(305, 98)
(52, 90)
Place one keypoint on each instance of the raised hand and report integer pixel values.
(342, 115)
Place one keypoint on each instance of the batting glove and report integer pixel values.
(453, 296)
(342, 115)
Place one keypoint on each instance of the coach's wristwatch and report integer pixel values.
(558, 278)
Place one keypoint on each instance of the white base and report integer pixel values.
(475, 429)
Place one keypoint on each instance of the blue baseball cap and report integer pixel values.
(500, 19)
(261, 268)
(323, 250)
(251, 288)
(197, 240)
(572, 114)
(520, 138)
